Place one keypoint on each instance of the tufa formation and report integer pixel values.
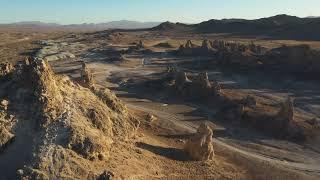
(200, 146)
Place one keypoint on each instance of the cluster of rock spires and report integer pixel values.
(199, 87)
(72, 122)
(196, 87)
(251, 56)
(214, 48)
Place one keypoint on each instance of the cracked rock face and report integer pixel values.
(200, 147)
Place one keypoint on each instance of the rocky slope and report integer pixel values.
(61, 125)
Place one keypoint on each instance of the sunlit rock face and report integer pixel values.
(200, 146)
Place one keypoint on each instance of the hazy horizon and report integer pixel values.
(186, 11)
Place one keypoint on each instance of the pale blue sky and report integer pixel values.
(189, 11)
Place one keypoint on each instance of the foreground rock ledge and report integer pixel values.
(68, 123)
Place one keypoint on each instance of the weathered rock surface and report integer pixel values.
(200, 146)
(72, 125)
(54, 51)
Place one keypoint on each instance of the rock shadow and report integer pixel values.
(171, 153)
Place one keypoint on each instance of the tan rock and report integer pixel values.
(151, 118)
(200, 146)
(86, 76)
(5, 68)
(5, 137)
(4, 105)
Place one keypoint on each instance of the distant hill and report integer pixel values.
(280, 26)
(167, 26)
(124, 24)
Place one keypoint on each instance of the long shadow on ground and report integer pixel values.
(171, 153)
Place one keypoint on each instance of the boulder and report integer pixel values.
(200, 146)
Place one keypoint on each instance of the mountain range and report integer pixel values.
(123, 24)
(280, 26)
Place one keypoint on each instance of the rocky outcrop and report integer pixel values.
(6, 123)
(5, 69)
(219, 48)
(4, 105)
(200, 146)
(5, 137)
(39, 79)
(196, 87)
(68, 123)
(190, 49)
(286, 59)
(297, 59)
